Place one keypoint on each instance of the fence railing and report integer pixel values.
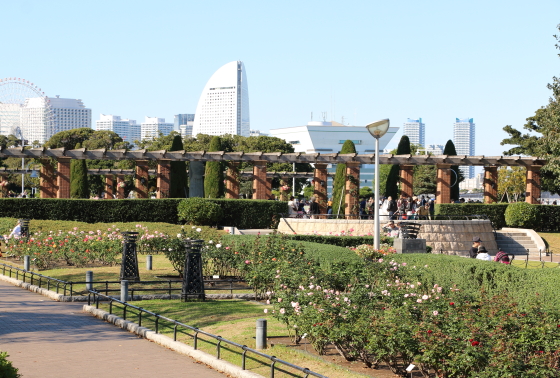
(71, 287)
(96, 297)
(385, 218)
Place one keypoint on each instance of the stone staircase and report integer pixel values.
(516, 242)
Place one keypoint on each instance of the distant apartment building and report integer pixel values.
(257, 133)
(127, 129)
(40, 118)
(415, 129)
(464, 141)
(434, 149)
(476, 182)
(183, 124)
(152, 126)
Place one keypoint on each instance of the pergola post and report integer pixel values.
(407, 176)
(63, 178)
(142, 179)
(232, 180)
(163, 180)
(320, 186)
(261, 190)
(109, 186)
(120, 187)
(490, 184)
(352, 200)
(47, 183)
(443, 189)
(533, 184)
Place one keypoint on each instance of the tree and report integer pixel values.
(424, 181)
(339, 183)
(542, 138)
(214, 173)
(457, 177)
(69, 138)
(102, 139)
(365, 191)
(79, 187)
(178, 172)
(511, 183)
(392, 183)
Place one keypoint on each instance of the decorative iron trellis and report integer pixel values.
(129, 265)
(193, 283)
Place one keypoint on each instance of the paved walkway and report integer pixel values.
(53, 339)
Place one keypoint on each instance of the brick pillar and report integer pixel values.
(232, 180)
(320, 186)
(352, 200)
(260, 183)
(533, 184)
(109, 186)
(63, 178)
(142, 179)
(490, 184)
(443, 190)
(163, 182)
(120, 190)
(47, 181)
(407, 176)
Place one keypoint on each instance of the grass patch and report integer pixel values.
(234, 320)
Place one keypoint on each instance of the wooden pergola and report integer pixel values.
(56, 184)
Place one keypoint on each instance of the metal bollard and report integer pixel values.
(149, 262)
(89, 280)
(124, 291)
(26, 263)
(261, 334)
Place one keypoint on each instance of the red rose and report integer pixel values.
(451, 303)
(475, 343)
(429, 331)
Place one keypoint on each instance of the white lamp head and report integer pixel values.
(379, 128)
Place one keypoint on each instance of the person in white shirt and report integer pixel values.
(16, 232)
(483, 254)
(292, 207)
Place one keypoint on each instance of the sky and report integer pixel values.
(361, 60)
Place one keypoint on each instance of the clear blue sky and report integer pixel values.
(364, 60)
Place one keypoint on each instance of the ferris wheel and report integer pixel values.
(25, 110)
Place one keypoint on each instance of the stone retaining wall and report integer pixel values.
(452, 237)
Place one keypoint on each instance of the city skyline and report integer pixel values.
(368, 75)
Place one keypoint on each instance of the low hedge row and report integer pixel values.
(546, 218)
(494, 211)
(526, 286)
(238, 213)
(341, 241)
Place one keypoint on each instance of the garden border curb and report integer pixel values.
(36, 289)
(177, 346)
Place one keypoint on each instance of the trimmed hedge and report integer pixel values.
(494, 211)
(341, 241)
(549, 216)
(522, 215)
(238, 213)
(526, 286)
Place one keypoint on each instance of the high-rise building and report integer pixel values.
(66, 114)
(152, 126)
(463, 139)
(186, 130)
(435, 149)
(182, 119)
(127, 129)
(223, 107)
(416, 131)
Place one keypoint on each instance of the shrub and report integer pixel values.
(339, 183)
(197, 211)
(493, 211)
(214, 172)
(6, 368)
(522, 215)
(341, 241)
(178, 172)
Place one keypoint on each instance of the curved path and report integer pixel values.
(55, 339)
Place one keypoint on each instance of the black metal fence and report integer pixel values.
(96, 297)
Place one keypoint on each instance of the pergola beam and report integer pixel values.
(271, 157)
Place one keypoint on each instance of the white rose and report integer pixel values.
(198, 229)
(218, 246)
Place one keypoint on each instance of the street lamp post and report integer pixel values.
(377, 130)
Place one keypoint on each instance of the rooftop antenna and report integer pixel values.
(311, 116)
(324, 115)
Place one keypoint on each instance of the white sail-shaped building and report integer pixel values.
(223, 107)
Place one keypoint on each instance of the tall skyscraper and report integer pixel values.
(182, 119)
(223, 107)
(152, 126)
(416, 131)
(463, 138)
(66, 114)
(127, 129)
